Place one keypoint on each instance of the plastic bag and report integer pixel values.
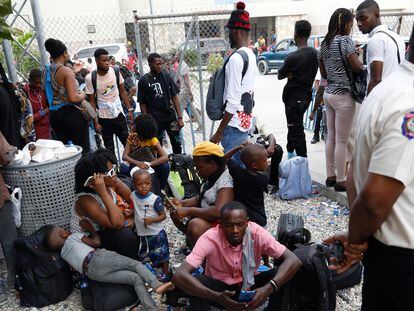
(16, 200)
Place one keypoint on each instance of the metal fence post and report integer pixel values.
(200, 77)
(8, 54)
(138, 42)
(40, 33)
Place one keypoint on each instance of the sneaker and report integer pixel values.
(291, 155)
(315, 139)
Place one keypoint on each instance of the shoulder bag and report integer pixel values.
(358, 80)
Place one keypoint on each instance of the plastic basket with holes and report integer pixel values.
(48, 191)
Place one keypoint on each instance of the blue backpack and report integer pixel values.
(215, 105)
(294, 179)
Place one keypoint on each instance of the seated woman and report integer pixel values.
(145, 137)
(216, 191)
(96, 201)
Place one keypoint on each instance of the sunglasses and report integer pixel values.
(113, 171)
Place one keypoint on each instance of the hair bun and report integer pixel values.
(50, 44)
(240, 5)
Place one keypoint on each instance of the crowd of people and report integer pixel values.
(119, 210)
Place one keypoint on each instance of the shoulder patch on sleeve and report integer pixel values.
(408, 125)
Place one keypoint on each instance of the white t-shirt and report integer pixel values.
(109, 103)
(385, 146)
(382, 48)
(234, 88)
(74, 251)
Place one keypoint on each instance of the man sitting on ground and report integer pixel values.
(231, 263)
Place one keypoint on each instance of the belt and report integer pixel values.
(88, 259)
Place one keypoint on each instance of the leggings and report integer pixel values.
(68, 124)
(340, 111)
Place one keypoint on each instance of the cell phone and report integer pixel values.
(88, 181)
(170, 201)
(246, 295)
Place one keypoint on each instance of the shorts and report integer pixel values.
(155, 247)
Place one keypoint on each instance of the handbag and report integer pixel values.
(358, 80)
(88, 112)
(142, 154)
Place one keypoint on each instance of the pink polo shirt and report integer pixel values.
(224, 261)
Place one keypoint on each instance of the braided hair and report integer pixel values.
(337, 24)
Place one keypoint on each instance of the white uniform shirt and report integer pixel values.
(234, 87)
(382, 48)
(385, 146)
(74, 251)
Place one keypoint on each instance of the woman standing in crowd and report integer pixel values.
(216, 191)
(37, 98)
(338, 49)
(65, 118)
(96, 201)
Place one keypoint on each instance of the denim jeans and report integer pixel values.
(232, 138)
(8, 235)
(108, 266)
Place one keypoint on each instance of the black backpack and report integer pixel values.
(184, 165)
(312, 288)
(43, 277)
(101, 296)
(291, 231)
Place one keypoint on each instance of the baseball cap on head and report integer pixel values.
(239, 18)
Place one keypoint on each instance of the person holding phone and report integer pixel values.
(228, 282)
(97, 187)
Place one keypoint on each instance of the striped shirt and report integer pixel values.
(338, 82)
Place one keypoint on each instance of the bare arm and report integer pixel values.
(126, 157)
(69, 81)
(375, 75)
(217, 137)
(372, 206)
(162, 156)
(124, 96)
(351, 191)
(94, 240)
(355, 63)
(322, 69)
(143, 107)
(211, 213)
(231, 152)
(176, 102)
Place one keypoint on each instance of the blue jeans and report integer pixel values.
(232, 138)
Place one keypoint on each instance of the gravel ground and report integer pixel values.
(319, 219)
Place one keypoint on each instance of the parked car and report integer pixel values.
(118, 50)
(207, 46)
(274, 59)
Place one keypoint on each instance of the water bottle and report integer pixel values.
(151, 269)
(83, 282)
(3, 291)
(336, 211)
(70, 143)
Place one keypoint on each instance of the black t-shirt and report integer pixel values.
(156, 92)
(303, 65)
(9, 117)
(249, 190)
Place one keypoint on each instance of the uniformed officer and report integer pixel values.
(381, 193)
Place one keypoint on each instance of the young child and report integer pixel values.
(250, 183)
(82, 253)
(144, 139)
(149, 214)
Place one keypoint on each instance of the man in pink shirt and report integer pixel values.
(232, 253)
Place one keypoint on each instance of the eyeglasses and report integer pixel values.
(113, 171)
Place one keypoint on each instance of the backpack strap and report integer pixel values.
(327, 295)
(398, 50)
(245, 58)
(94, 76)
(117, 73)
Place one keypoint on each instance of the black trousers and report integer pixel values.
(122, 241)
(68, 124)
(274, 166)
(388, 278)
(318, 121)
(174, 136)
(296, 140)
(8, 235)
(117, 126)
(200, 304)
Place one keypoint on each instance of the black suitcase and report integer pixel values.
(100, 296)
(349, 278)
(291, 231)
